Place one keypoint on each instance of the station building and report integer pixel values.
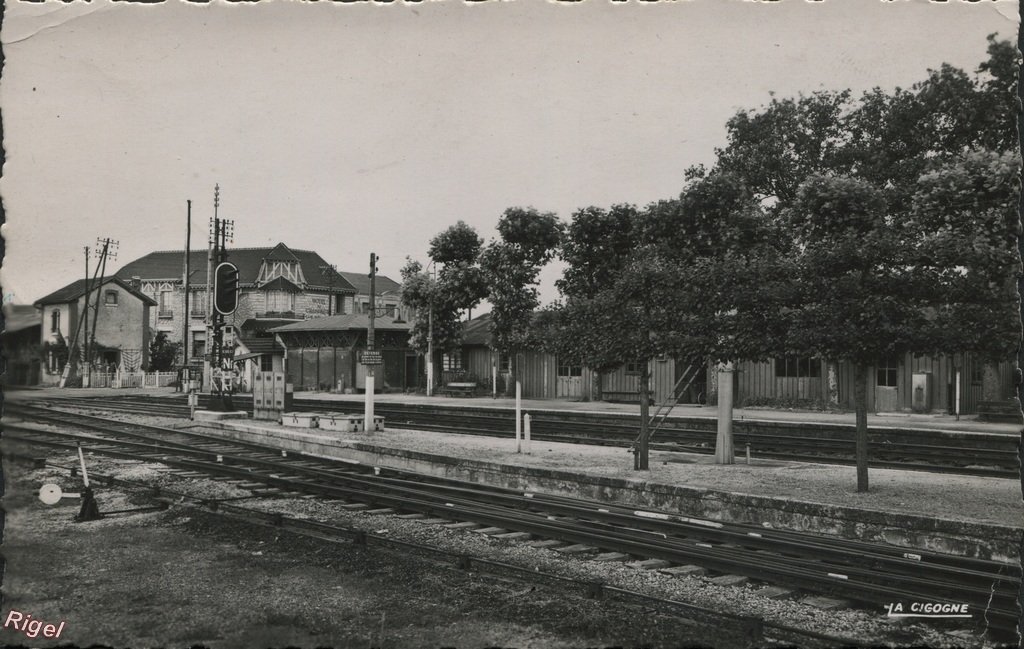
(277, 285)
(900, 384)
(324, 354)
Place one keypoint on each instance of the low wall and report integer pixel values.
(1001, 543)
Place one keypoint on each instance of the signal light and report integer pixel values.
(225, 288)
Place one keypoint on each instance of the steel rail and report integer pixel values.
(269, 458)
(747, 625)
(404, 497)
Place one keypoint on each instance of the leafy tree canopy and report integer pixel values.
(162, 352)
(458, 245)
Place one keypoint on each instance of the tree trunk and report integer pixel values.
(724, 451)
(832, 372)
(713, 385)
(595, 386)
(642, 460)
(860, 399)
(991, 389)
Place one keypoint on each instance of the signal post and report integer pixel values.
(224, 300)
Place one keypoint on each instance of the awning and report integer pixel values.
(245, 357)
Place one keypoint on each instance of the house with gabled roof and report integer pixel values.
(118, 321)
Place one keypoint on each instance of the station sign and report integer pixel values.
(371, 357)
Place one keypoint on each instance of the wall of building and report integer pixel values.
(68, 322)
(121, 326)
(757, 382)
(663, 379)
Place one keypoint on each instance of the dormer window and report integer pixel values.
(290, 270)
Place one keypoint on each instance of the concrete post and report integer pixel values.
(519, 416)
(723, 443)
(526, 432)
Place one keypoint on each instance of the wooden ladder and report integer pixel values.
(685, 379)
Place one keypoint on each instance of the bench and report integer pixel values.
(460, 389)
(624, 397)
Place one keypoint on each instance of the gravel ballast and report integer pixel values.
(242, 580)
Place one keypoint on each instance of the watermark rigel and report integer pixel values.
(31, 628)
(927, 609)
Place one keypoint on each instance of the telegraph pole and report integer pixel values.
(185, 317)
(210, 242)
(105, 249)
(85, 314)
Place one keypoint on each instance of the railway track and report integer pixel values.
(979, 454)
(869, 573)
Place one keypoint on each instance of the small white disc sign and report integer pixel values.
(50, 494)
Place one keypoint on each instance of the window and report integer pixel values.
(164, 310)
(266, 363)
(279, 301)
(110, 298)
(888, 368)
(633, 368)
(451, 362)
(570, 370)
(504, 363)
(198, 344)
(55, 321)
(797, 367)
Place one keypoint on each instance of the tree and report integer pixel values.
(966, 225)
(433, 313)
(772, 151)
(162, 353)
(459, 244)
(860, 299)
(684, 278)
(458, 286)
(509, 268)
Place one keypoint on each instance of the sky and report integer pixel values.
(357, 128)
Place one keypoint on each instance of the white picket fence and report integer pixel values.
(131, 379)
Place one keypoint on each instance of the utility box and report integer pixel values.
(343, 422)
(300, 420)
(270, 395)
(921, 392)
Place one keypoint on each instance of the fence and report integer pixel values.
(131, 379)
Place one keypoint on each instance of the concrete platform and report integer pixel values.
(963, 515)
(901, 420)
